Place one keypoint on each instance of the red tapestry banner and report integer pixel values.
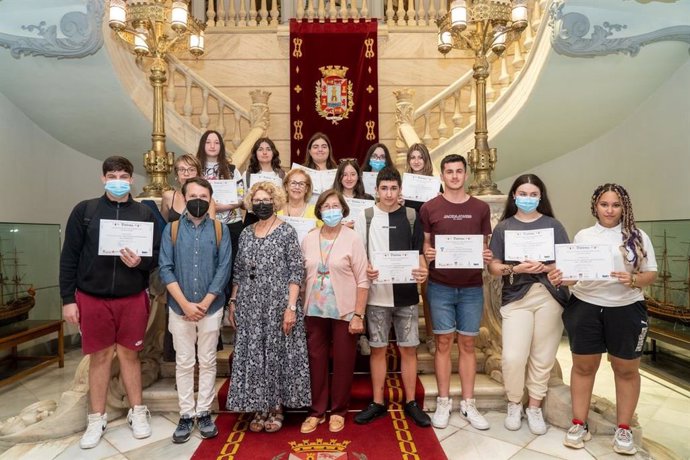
(334, 86)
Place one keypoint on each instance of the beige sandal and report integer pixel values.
(274, 422)
(258, 422)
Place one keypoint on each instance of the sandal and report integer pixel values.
(258, 422)
(275, 420)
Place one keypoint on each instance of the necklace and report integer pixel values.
(322, 271)
(300, 213)
(270, 227)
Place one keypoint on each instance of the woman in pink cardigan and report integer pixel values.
(334, 301)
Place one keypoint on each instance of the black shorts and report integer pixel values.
(618, 331)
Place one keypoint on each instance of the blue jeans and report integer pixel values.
(455, 309)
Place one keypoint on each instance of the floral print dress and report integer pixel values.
(268, 367)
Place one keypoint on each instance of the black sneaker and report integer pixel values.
(371, 413)
(207, 428)
(184, 430)
(418, 416)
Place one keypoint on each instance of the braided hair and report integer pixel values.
(632, 248)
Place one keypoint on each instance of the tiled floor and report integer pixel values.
(663, 413)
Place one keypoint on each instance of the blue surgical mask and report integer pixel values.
(526, 204)
(117, 188)
(377, 165)
(332, 217)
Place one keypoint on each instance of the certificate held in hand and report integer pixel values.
(459, 251)
(395, 267)
(115, 235)
(521, 245)
(416, 187)
(585, 262)
(224, 191)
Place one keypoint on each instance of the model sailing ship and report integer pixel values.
(16, 297)
(664, 301)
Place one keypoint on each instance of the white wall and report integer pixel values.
(648, 153)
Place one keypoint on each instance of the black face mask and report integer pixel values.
(197, 207)
(263, 210)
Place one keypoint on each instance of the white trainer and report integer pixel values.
(95, 428)
(623, 442)
(441, 417)
(468, 409)
(138, 419)
(513, 420)
(535, 420)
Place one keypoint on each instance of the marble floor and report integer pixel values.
(662, 411)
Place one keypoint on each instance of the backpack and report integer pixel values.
(369, 215)
(218, 225)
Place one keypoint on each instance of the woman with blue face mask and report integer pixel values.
(377, 158)
(335, 297)
(531, 306)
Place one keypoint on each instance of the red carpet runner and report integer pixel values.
(388, 438)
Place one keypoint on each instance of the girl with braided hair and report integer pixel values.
(609, 316)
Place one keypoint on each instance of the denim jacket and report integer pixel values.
(196, 262)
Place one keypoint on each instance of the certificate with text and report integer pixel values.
(119, 234)
(395, 267)
(416, 187)
(529, 245)
(301, 224)
(321, 180)
(459, 251)
(585, 262)
(225, 191)
(357, 206)
(369, 181)
(266, 177)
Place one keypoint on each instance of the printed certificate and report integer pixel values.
(369, 181)
(301, 224)
(266, 177)
(321, 180)
(459, 251)
(357, 207)
(119, 234)
(395, 267)
(225, 191)
(416, 187)
(585, 262)
(529, 245)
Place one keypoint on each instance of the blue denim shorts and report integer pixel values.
(455, 309)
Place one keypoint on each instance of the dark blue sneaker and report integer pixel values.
(207, 428)
(184, 430)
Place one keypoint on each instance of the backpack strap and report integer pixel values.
(368, 216)
(218, 226)
(90, 211)
(411, 218)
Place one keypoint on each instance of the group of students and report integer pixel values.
(296, 305)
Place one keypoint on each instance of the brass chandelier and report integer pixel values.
(481, 26)
(155, 29)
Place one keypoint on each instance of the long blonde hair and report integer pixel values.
(428, 169)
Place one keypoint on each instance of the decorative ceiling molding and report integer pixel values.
(82, 33)
(570, 31)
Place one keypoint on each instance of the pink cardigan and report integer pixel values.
(347, 264)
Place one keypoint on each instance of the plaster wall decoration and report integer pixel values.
(79, 35)
(570, 30)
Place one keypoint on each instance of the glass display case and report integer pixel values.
(29, 268)
(668, 301)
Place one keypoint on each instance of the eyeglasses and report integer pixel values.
(348, 160)
(186, 170)
(258, 202)
(297, 184)
(378, 157)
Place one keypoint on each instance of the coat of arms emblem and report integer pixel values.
(334, 96)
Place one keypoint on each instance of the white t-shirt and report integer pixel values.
(612, 293)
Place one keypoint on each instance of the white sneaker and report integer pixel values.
(623, 442)
(94, 430)
(441, 417)
(138, 419)
(535, 420)
(513, 420)
(468, 409)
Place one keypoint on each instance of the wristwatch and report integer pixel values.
(359, 315)
(292, 307)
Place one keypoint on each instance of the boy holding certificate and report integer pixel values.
(394, 229)
(195, 268)
(456, 295)
(106, 294)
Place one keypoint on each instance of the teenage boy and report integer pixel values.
(107, 296)
(195, 268)
(391, 227)
(455, 295)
